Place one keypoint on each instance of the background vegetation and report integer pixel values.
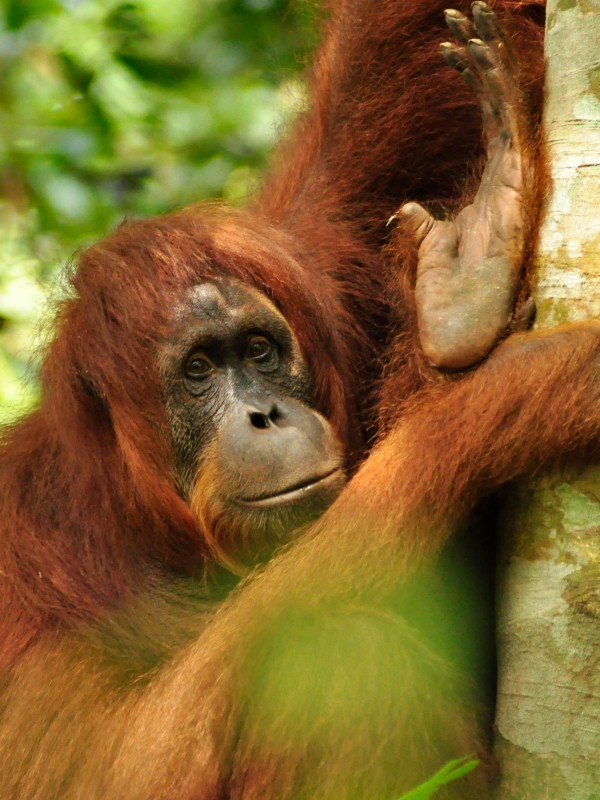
(124, 107)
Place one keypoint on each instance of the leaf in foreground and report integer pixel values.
(452, 771)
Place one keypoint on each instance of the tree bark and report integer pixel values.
(548, 717)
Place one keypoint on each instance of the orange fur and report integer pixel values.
(125, 673)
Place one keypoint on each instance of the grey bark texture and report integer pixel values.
(548, 717)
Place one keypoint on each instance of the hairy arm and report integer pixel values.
(386, 121)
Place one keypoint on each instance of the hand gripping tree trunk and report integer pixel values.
(548, 721)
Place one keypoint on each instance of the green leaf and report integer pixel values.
(452, 771)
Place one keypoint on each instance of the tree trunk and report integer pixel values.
(548, 719)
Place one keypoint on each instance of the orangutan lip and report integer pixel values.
(294, 492)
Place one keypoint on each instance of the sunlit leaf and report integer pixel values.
(448, 773)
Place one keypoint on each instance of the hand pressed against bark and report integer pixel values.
(468, 268)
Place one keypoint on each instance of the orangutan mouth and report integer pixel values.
(299, 491)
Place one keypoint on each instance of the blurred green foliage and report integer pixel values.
(115, 107)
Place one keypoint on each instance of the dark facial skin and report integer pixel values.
(238, 401)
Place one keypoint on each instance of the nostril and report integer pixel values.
(259, 420)
(274, 414)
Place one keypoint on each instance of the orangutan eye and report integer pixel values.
(198, 367)
(262, 352)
